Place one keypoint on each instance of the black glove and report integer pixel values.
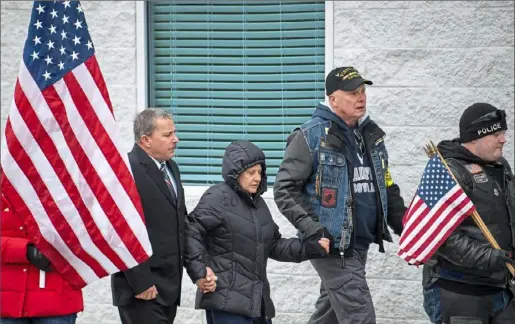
(325, 233)
(37, 258)
(314, 250)
(499, 258)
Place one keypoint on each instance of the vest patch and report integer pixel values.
(329, 197)
(388, 178)
(480, 178)
(477, 173)
(381, 139)
(474, 168)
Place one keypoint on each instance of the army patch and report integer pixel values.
(329, 197)
(474, 168)
(480, 178)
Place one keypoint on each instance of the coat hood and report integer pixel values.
(454, 149)
(323, 111)
(238, 157)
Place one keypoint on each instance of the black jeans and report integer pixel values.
(148, 312)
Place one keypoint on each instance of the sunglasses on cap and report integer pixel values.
(491, 116)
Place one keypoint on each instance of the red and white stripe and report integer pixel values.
(67, 177)
(427, 228)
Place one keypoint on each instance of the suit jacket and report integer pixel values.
(164, 219)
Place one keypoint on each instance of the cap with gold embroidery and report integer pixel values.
(344, 78)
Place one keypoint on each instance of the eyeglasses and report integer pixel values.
(494, 115)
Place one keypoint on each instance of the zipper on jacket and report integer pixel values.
(381, 220)
(353, 219)
(379, 205)
(259, 240)
(262, 277)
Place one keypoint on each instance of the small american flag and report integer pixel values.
(62, 168)
(438, 207)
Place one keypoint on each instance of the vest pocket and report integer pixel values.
(333, 167)
(331, 187)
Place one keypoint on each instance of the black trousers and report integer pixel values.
(147, 312)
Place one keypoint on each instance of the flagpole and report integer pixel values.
(431, 150)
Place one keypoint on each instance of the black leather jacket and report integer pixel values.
(466, 255)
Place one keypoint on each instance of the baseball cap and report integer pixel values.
(345, 78)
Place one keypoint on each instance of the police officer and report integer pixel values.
(467, 280)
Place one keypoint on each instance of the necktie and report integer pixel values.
(168, 181)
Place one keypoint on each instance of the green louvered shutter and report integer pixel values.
(234, 70)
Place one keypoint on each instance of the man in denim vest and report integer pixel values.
(334, 182)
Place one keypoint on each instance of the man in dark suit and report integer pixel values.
(150, 292)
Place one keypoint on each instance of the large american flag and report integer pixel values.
(64, 173)
(438, 207)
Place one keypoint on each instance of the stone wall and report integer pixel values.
(428, 60)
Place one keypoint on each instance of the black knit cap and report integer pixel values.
(345, 78)
(479, 120)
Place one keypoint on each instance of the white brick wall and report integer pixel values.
(428, 60)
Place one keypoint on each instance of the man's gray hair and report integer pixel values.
(145, 121)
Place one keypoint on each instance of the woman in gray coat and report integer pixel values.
(231, 234)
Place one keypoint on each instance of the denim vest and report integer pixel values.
(330, 186)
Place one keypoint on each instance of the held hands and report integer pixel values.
(324, 243)
(321, 248)
(207, 284)
(148, 294)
